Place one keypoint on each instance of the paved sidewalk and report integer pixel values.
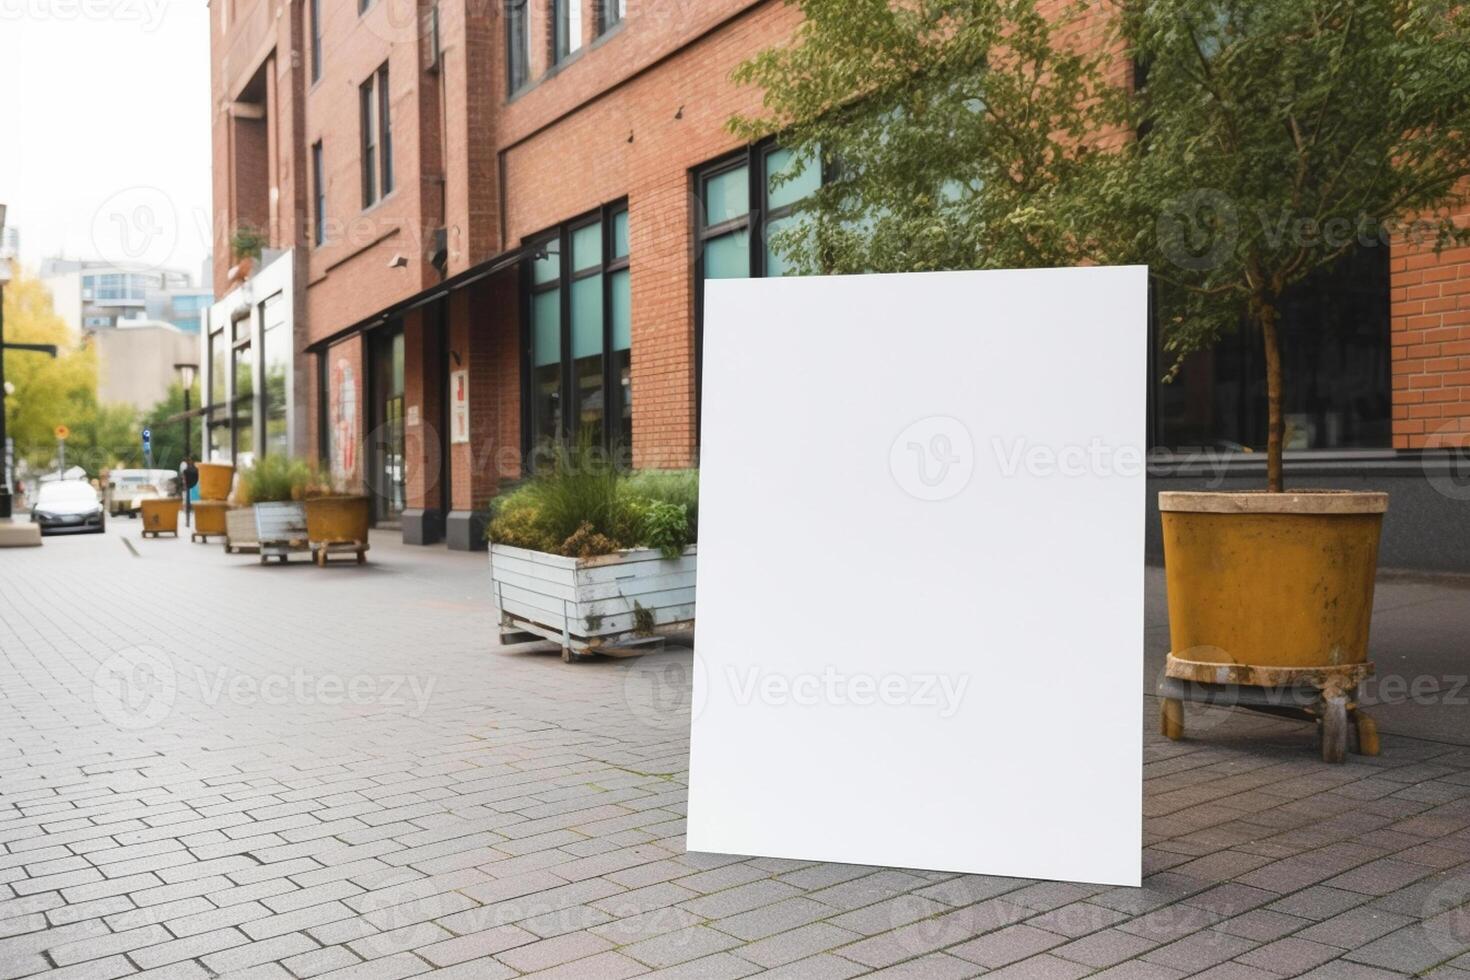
(213, 768)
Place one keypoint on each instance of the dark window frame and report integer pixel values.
(376, 142)
(385, 134)
(319, 194)
(562, 50)
(315, 13)
(609, 15)
(517, 45)
(560, 237)
(368, 143)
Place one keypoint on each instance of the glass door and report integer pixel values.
(388, 473)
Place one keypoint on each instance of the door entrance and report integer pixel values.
(388, 469)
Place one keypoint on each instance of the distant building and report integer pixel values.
(183, 308)
(93, 295)
(10, 244)
(135, 362)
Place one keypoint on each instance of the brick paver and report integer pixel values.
(213, 768)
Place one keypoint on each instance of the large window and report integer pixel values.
(568, 18)
(276, 372)
(744, 202)
(216, 394)
(517, 44)
(242, 444)
(319, 193)
(579, 339)
(1335, 354)
(377, 138)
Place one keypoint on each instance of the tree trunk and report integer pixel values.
(1266, 314)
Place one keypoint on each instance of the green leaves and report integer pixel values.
(951, 132)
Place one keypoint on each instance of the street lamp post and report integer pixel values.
(186, 375)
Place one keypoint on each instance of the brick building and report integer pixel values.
(487, 222)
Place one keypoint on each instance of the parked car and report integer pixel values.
(127, 489)
(68, 505)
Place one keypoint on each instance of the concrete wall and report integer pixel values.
(135, 365)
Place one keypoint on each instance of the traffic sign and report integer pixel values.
(62, 432)
(147, 436)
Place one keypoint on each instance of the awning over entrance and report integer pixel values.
(475, 273)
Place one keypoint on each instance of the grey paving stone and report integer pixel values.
(1108, 947)
(1354, 928)
(1290, 956)
(1007, 945)
(529, 820)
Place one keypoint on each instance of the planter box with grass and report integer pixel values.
(586, 604)
(593, 558)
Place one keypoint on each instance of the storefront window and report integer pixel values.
(1335, 357)
(276, 365)
(581, 334)
(744, 203)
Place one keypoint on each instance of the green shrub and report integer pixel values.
(583, 506)
(277, 478)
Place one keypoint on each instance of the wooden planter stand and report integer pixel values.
(1325, 695)
(590, 605)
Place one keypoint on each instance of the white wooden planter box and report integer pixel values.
(280, 529)
(587, 603)
(240, 530)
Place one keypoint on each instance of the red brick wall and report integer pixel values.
(652, 171)
(1430, 334)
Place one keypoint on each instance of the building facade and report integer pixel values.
(497, 216)
(96, 295)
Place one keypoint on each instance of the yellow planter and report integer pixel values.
(160, 516)
(215, 480)
(1268, 580)
(338, 525)
(209, 520)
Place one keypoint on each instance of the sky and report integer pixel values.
(104, 130)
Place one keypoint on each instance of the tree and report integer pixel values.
(1272, 139)
(953, 134)
(1278, 137)
(48, 392)
(168, 437)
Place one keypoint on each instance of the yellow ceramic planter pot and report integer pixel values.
(215, 480)
(160, 516)
(1271, 579)
(335, 519)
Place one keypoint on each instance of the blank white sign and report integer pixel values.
(920, 636)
